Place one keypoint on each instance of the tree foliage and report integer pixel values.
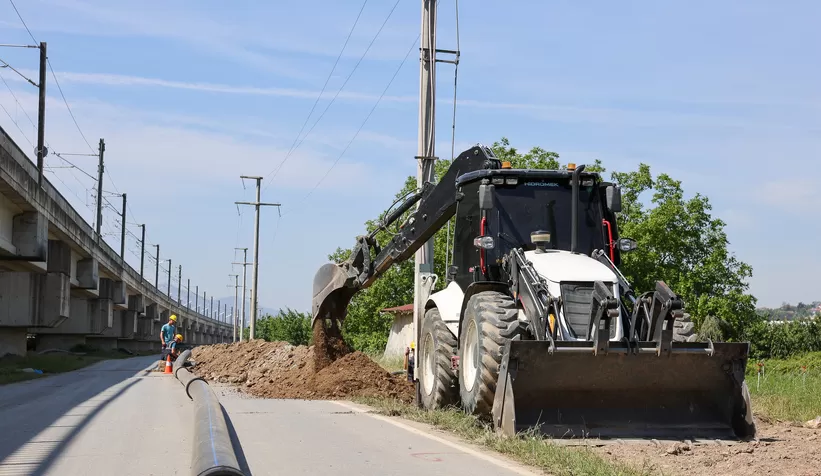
(287, 325)
(679, 242)
(682, 244)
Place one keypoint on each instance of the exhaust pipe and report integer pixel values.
(574, 209)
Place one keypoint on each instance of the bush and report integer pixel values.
(287, 325)
(778, 340)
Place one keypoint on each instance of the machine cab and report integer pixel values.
(502, 209)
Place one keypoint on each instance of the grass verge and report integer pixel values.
(54, 363)
(529, 449)
(391, 364)
(788, 389)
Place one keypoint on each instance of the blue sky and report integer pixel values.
(189, 95)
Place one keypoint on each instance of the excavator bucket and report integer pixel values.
(632, 391)
(333, 291)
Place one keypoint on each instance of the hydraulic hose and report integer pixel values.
(213, 453)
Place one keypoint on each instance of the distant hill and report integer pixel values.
(789, 312)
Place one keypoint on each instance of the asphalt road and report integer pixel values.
(114, 417)
(298, 437)
(118, 417)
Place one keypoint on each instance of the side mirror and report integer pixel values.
(627, 244)
(486, 196)
(613, 198)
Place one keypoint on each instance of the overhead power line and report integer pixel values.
(362, 125)
(22, 21)
(16, 125)
(6, 65)
(324, 86)
(328, 106)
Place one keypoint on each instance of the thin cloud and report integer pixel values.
(140, 81)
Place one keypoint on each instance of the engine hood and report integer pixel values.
(563, 266)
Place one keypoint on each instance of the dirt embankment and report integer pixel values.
(281, 370)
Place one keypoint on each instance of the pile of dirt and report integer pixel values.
(282, 370)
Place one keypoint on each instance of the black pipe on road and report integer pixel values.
(213, 453)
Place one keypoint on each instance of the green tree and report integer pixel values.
(681, 243)
(287, 326)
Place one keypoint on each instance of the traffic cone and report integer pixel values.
(168, 365)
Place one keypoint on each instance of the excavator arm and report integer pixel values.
(335, 284)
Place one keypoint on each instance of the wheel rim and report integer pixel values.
(427, 364)
(471, 363)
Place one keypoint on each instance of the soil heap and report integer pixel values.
(328, 370)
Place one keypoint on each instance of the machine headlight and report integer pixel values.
(484, 242)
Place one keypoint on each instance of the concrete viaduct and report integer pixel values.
(58, 282)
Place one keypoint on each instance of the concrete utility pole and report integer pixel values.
(204, 305)
(426, 158)
(188, 294)
(256, 205)
(41, 115)
(233, 315)
(244, 274)
(157, 269)
(212, 307)
(100, 169)
(122, 229)
(197, 300)
(168, 292)
(142, 251)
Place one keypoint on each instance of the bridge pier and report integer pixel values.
(30, 236)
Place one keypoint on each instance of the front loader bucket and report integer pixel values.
(697, 391)
(333, 291)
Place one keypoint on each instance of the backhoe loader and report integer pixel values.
(536, 327)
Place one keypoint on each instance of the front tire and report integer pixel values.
(437, 380)
(491, 319)
(684, 329)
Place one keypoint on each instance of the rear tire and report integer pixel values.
(437, 380)
(491, 319)
(684, 329)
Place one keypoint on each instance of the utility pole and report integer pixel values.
(212, 307)
(244, 274)
(204, 300)
(233, 315)
(122, 229)
(100, 169)
(179, 286)
(197, 300)
(41, 115)
(142, 251)
(256, 205)
(188, 294)
(157, 268)
(426, 158)
(168, 292)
